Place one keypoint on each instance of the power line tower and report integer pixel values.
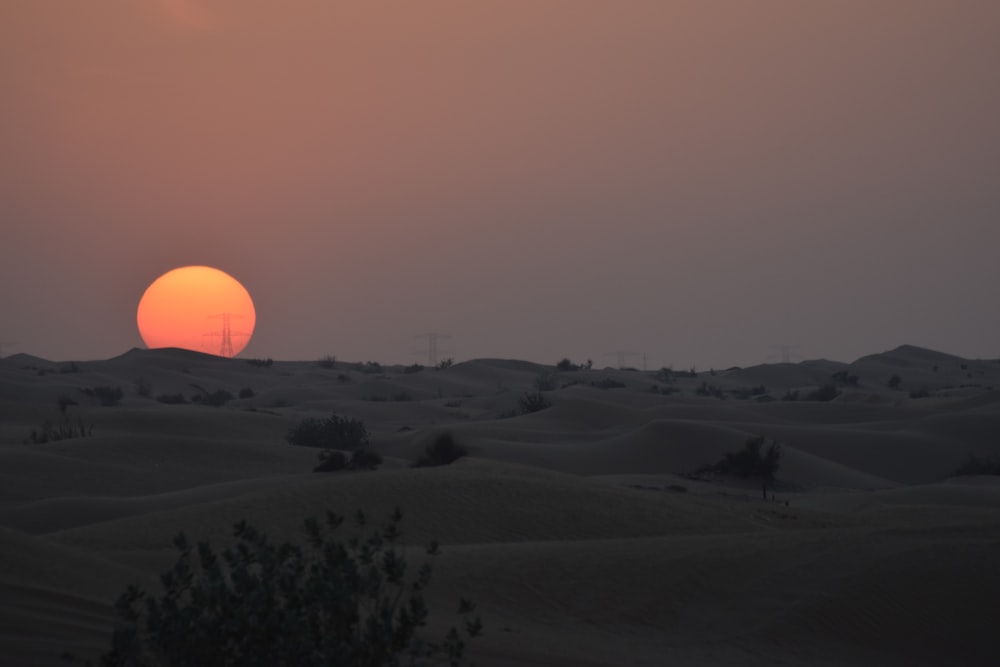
(785, 353)
(623, 355)
(432, 345)
(226, 347)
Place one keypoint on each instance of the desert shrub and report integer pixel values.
(791, 395)
(843, 377)
(64, 429)
(545, 381)
(413, 368)
(894, 382)
(751, 461)
(444, 364)
(331, 460)
(978, 466)
(107, 396)
(246, 392)
(334, 432)
(217, 398)
(920, 393)
(749, 392)
(705, 389)
(827, 392)
(665, 374)
(343, 378)
(443, 451)
(327, 362)
(63, 402)
(353, 602)
(262, 363)
(686, 374)
(364, 458)
(533, 401)
(73, 367)
(608, 383)
(566, 365)
(172, 399)
(143, 388)
(371, 367)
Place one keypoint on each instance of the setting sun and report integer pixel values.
(197, 308)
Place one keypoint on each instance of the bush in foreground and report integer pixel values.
(352, 603)
(751, 461)
(334, 432)
(533, 401)
(443, 451)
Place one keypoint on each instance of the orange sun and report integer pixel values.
(197, 308)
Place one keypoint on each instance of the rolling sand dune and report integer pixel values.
(579, 530)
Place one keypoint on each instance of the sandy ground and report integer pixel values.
(578, 530)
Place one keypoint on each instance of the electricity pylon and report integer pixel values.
(785, 353)
(226, 348)
(432, 345)
(622, 356)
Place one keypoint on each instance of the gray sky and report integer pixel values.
(694, 180)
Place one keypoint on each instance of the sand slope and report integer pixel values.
(577, 529)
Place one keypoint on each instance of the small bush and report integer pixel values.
(545, 382)
(894, 382)
(107, 396)
(143, 388)
(443, 451)
(977, 466)
(217, 398)
(533, 401)
(845, 378)
(608, 383)
(920, 393)
(444, 364)
(328, 362)
(705, 389)
(343, 378)
(64, 429)
(751, 461)
(355, 603)
(413, 368)
(172, 399)
(364, 458)
(246, 392)
(261, 363)
(791, 395)
(827, 392)
(334, 432)
(64, 402)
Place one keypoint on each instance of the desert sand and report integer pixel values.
(578, 530)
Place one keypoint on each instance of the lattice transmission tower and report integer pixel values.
(226, 345)
(432, 346)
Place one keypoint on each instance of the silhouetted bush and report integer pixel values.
(331, 460)
(143, 388)
(217, 398)
(262, 363)
(64, 402)
(920, 393)
(260, 603)
(977, 466)
(64, 429)
(827, 392)
(751, 461)
(705, 389)
(533, 401)
(845, 378)
(443, 451)
(791, 395)
(364, 458)
(107, 396)
(327, 362)
(608, 383)
(73, 367)
(334, 432)
(545, 381)
(172, 399)
(749, 392)
(246, 392)
(444, 364)
(343, 378)
(894, 382)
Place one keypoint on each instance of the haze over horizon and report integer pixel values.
(568, 178)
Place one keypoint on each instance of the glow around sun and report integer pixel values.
(197, 308)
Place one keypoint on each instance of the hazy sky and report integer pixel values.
(694, 180)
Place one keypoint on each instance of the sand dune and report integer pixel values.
(577, 529)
